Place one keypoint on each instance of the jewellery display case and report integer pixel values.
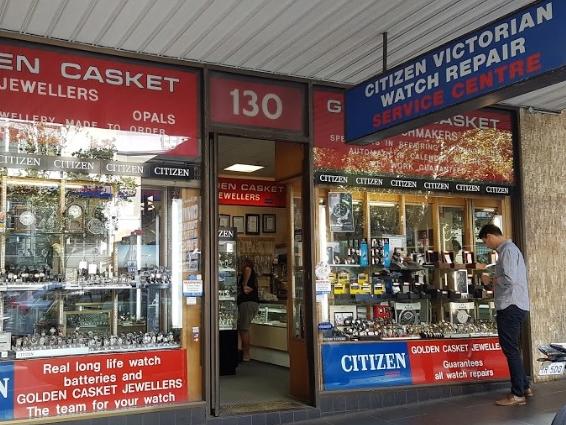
(80, 264)
(268, 334)
(227, 281)
(227, 297)
(271, 315)
(383, 285)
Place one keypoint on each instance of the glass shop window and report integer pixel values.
(95, 239)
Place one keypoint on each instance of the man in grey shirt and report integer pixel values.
(512, 305)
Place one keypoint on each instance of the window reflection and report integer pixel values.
(452, 231)
(419, 228)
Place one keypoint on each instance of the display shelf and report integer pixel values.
(51, 352)
(226, 270)
(30, 287)
(348, 265)
(399, 338)
(73, 351)
(271, 323)
(224, 298)
(70, 287)
(99, 287)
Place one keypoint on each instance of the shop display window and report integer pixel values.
(394, 272)
(96, 239)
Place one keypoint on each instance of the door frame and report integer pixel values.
(210, 246)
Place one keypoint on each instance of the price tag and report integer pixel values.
(554, 368)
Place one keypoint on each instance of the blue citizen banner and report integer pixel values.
(365, 365)
(6, 390)
(518, 53)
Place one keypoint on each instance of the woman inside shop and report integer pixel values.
(248, 302)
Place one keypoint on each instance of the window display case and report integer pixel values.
(227, 280)
(77, 275)
(227, 297)
(87, 257)
(271, 315)
(384, 283)
(268, 334)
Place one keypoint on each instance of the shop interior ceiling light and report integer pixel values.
(244, 168)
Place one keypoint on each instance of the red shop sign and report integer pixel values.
(257, 103)
(473, 146)
(328, 118)
(90, 90)
(257, 193)
(82, 384)
(457, 360)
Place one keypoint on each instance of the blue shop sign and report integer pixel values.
(516, 54)
(6, 390)
(365, 365)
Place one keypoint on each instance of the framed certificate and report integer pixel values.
(269, 223)
(252, 224)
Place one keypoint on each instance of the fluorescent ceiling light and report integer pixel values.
(244, 168)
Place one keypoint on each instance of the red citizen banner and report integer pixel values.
(81, 384)
(458, 360)
(257, 193)
(474, 146)
(90, 90)
(257, 103)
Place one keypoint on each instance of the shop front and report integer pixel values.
(122, 245)
(99, 233)
(400, 301)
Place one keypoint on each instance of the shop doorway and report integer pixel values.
(263, 363)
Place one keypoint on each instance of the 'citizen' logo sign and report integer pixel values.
(380, 361)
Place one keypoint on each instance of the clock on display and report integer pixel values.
(74, 211)
(95, 226)
(407, 317)
(27, 218)
(462, 316)
(341, 211)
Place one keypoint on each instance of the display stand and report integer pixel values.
(227, 296)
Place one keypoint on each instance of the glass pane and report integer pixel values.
(342, 247)
(482, 216)
(90, 248)
(419, 228)
(298, 270)
(33, 239)
(384, 219)
(227, 280)
(452, 231)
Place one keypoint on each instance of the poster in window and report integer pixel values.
(340, 210)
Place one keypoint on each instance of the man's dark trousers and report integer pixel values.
(509, 324)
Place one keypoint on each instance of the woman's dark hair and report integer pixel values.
(246, 262)
(489, 229)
